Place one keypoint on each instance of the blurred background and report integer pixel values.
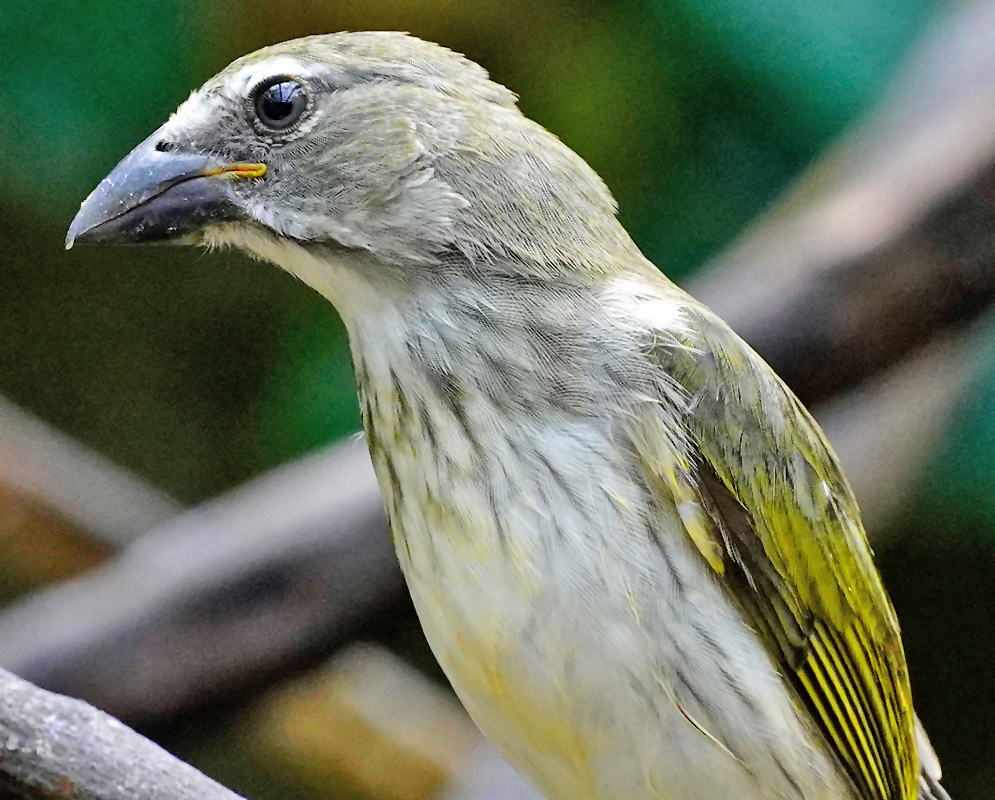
(820, 173)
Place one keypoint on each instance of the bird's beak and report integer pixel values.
(158, 196)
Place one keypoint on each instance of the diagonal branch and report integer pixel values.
(56, 747)
(888, 241)
(217, 598)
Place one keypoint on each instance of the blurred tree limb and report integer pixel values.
(95, 494)
(889, 239)
(218, 597)
(56, 747)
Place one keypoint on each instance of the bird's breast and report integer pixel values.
(573, 615)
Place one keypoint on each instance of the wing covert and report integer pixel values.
(781, 526)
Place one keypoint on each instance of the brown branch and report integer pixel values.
(54, 747)
(80, 485)
(217, 598)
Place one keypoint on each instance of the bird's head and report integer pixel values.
(377, 144)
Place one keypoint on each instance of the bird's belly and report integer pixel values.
(585, 657)
(583, 631)
(582, 720)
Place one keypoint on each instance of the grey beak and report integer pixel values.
(157, 195)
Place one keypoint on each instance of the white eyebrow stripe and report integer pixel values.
(239, 86)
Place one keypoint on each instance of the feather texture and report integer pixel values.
(794, 553)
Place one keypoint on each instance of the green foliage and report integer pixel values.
(310, 398)
(806, 69)
(79, 85)
(959, 486)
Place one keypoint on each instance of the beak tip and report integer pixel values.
(151, 196)
(90, 224)
(77, 230)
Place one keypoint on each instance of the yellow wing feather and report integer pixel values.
(784, 530)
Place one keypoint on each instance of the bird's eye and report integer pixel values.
(279, 103)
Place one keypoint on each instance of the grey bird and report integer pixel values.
(630, 546)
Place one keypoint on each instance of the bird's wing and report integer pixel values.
(763, 497)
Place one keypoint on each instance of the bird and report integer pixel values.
(630, 546)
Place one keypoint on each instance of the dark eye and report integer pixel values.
(280, 103)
